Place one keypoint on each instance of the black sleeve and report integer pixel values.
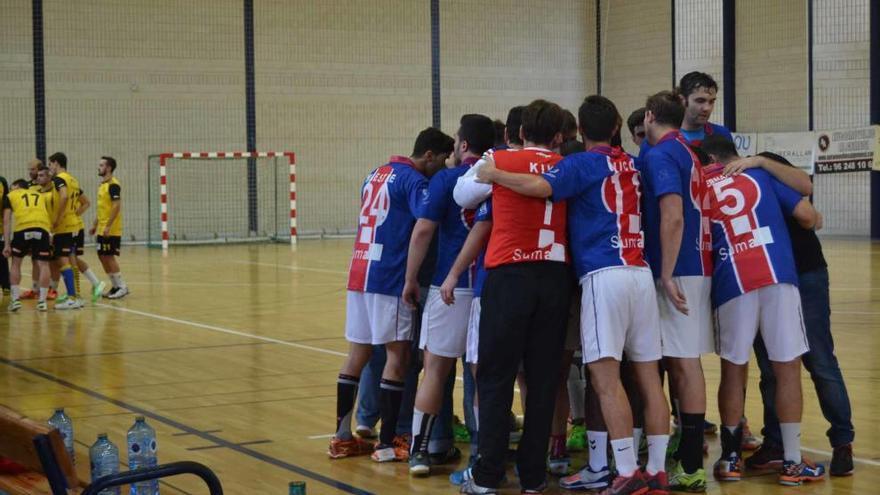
(59, 183)
(6, 204)
(115, 191)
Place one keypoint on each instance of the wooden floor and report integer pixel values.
(232, 354)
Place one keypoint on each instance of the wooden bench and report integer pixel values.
(40, 449)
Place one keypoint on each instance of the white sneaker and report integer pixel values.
(362, 431)
(14, 306)
(42, 306)
(119, 293)
(69, 303)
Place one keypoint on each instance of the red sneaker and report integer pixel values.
(348, 448)
(28, 294)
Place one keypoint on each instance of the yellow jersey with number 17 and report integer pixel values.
(70, 223)
(108, 192)
(28, 210)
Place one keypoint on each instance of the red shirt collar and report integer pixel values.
(401, 159)
(673, 134)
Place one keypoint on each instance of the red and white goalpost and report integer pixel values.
(198, 203)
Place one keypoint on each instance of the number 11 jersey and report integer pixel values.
(390, 200)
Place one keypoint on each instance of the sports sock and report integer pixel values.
(624, 456)
(390, 397)
(690, 450)
(119, 281)
(53, 284)
(791, 441)
(422, 425)
(115, 279)
(637, 437)
(35, 286)
(15, 292)
(557, 446)
(69, 283)
(76, 291)
(93, 279)
(731, 440)
(43, 291)
(346, 392)
(598, 441)
(656, 453)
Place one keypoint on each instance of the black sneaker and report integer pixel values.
(842, 461)
(767, 456)
(451, 455)
(110, 292)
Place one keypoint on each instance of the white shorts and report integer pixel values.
(690, 335)
(473, 333)
(776, 311)
(376, 318)
(444, 328)
(619, 313)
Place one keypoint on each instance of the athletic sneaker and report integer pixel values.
(112, 291)
(674, 442)
(842, 461)
(390, 453)
(709, 428)
(460, 431)
(362, 431)
(587, 479)
(628, 485)
(577, 438)
(729, 469)
(768, 456)
(559, 466)
(98, 290)
(119, 294)
(348, 448)
(459, 477)
(794, 474)
(657, 483)
(472, 488)
(69, 303)
(42, 306)
(749, 441)
(28, 294)
(62, 298)
(51, 294)
(14, 306)
(533, 491)
(680, 481)
(419, 464)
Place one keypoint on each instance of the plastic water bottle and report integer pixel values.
(64, 424)
(142, 453)
(104, 460)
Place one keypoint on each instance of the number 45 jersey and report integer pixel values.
(750, 243)
(390, 200)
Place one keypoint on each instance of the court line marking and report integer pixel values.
(189, 429)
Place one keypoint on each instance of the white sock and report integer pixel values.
(657, 453)
(637, 437)
(43, 292)
(15, 292)
(791, 441)
(53, 284)
(119, 281)
(598, 450)
(93, 279)
(35, 286)
(624, 456)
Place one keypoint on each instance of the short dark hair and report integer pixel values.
(432, 139)
(719, 146)
(569, 124)
(110, 161)
(776, 158)
(598, 118)
(20, 183)
(695, 80)
(514, 121)
(666, 107)
(42, 168)
(541, 121)
(702, 155)
(634, 119)
(571, 147)
(59, 158)
(478, 131)
(499, 133)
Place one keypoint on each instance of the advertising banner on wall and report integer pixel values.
(746, 143)
(846, 150)
(797, 147)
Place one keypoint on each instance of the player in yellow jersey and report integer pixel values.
(33, 167)
(67, 227)
(108, 226)
(4, 263)
(46, 188)
(23, 210)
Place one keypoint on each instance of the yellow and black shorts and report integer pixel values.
(109, 246)
(33, 242)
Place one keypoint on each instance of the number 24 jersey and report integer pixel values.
(390, 201)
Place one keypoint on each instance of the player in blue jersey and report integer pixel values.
(754, 287)
(698, 92)
(391, 198)
(444, 327)
(679, 251)
(619, 310)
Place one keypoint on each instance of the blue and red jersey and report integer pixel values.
(694, 138)
(484, 214)
(750, 242)
(671, 167)
(391, 197)
(454, 222)
(603, 191)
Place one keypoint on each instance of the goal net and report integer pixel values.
(217, 197)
